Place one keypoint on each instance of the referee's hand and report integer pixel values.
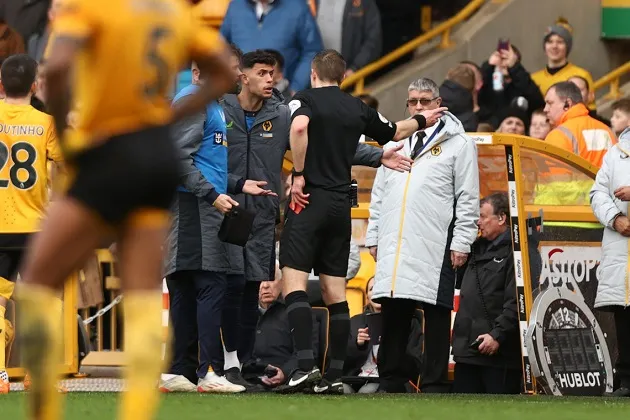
(224, 203)
(297, 191)
(433, 115)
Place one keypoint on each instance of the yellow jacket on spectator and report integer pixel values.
(545, 80)
(582, 135)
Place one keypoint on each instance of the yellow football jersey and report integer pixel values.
(132, 51)
(28, 141)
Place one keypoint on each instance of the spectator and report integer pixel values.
(495, 96)
(360, 367)
(286, 26)
(610, 200)
(36, 44)
(273, 349)
(478, 84)
(539, 126)
(353, 28)
(457, 95)
(588, 96)
(280, 83)
(557, 43)
(416, 260)
(573, 129)
(26, 17)
(11, 42)
(485, 127)
(621, 116)
(515, 121)
(38, 101)
(487, 312)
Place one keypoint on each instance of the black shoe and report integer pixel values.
(620, 392)
(256, 389)
(300, 381)
(233, 375)
(329, 387)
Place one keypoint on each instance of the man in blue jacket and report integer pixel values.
(197, 265)
(284, 25)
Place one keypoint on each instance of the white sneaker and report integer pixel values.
(218, 384)
(176, 383)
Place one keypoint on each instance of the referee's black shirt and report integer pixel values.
(337, 121)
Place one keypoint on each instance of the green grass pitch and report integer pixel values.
(97, 406)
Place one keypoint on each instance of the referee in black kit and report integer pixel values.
(326, 125)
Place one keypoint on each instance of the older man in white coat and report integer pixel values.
(422, 224)
(610, 200)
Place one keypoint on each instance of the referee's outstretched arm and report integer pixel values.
(384, 131)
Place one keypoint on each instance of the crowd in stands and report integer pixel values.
(555, 104)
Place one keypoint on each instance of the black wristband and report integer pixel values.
(422, 122)
(238, 189)
(296, 173)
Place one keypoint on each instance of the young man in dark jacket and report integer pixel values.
(486, 345)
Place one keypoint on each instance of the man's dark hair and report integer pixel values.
(369, 100)
(622, 105)
(250, 59)
(500, 204)
(330, 66)
(568, 90)
(237, 52)
(278, 56)
(18, 74)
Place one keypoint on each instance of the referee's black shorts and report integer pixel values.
(319, 237)
(130, 178)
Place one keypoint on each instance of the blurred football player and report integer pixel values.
(122, 56)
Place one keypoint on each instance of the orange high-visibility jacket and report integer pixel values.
(582, 135)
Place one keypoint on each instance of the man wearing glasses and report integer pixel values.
(420, 231)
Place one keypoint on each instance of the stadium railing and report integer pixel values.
(612, 81)
(443, 30)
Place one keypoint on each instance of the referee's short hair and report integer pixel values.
(18, 74)
(330, 66)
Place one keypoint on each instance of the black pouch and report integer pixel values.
(236, 226)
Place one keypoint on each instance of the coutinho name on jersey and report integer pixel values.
(22, 130)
